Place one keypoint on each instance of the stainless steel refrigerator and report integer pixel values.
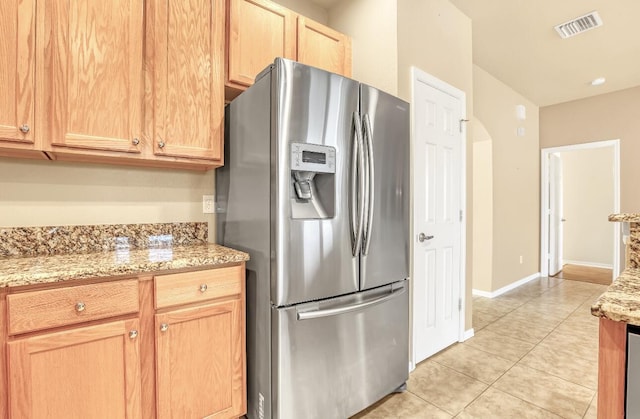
(315, 187)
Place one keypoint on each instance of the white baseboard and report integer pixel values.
(506, 288)
(468, 334)
(589, 264)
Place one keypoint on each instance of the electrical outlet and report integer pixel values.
(208, 204)
(521, 259)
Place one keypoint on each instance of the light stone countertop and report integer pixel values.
(20, 271)
(629, 218)
(621, 302)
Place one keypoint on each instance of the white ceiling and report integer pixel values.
(514, 40)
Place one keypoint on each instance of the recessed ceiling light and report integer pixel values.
(598, 81)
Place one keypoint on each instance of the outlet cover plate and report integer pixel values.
(208, 204)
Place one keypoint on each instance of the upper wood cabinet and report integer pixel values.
(17, 69)
(89, 77)
(186, 64)
(323, 47)
(258, 31)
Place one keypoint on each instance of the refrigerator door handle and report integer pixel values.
(368, 135)
(357, 187)
(315, 314)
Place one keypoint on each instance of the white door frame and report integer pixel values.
(418, 75)
(544, 199)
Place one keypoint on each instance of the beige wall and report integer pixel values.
(306, 8)
(605, 117)
(39, 193)
(372, 26)
(482, 275)
(435, 36)
(516, 178)
(587, 198)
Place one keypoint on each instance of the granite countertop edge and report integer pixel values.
(621, 301)
(22, 271)
(629, 218)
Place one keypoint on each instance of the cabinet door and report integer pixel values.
(323, 47)
(259, 31)
(188, 67)
(89, 91)
(201, 362)
(17, 52)
(89, 372)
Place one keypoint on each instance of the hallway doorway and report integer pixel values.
(580, 187)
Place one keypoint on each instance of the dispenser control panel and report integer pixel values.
(313, 158)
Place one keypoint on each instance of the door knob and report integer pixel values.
(422, 237)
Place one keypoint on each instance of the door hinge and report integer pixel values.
(459, 304)
(462, 121)
(460, 215)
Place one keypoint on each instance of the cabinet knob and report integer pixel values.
(24, 128)
(203, 287)
(135, 141)
(164, 327)
(161, 144)
(80, 306)
(133, 334)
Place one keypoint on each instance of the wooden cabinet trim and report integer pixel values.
(612, 358)
(4, 379)
(38, 310)
(147, 348)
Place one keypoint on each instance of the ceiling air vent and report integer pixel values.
(578, 25)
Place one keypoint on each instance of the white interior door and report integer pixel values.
(555, 214)
(437, 217)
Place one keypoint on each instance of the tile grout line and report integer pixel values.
(527, 300)
(528, 352)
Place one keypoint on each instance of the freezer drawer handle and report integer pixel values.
(307, 315)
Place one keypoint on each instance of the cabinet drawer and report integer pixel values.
(37, 310)
(191, 287)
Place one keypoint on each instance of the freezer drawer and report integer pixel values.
(334, 358)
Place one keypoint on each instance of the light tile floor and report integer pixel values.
(534, 355)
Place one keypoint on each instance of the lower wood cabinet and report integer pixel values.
(172, 347)
(85, 372)
(199, 360)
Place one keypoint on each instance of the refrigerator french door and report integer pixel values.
(315, 189)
